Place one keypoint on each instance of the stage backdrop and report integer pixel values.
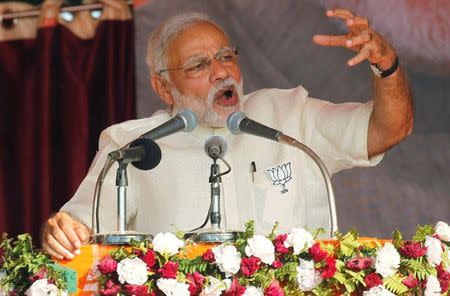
(412, 184)
(60, 85)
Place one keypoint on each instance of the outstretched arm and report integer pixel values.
(392, 118)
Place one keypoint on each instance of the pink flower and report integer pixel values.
(111, 289)
(358, 263)
(236, 289)
(274, 289)
(208, 256)
(41, 274)
(277, 264)
(250, 265)
(137, 290)
(413, 249)
(316, 253)
(107, 265)
(330, 268)
(410, 281)
(372, 280)
(195, 281)
(149, 258)
(279, 244)
(169, 270)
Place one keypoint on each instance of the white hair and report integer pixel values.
(165, 33)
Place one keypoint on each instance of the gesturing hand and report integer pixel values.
(361, 38)
(62, 236)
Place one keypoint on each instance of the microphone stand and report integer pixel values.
(325, 174)
(122, 236)
(216, 233)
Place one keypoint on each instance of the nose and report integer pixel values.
(217, 71)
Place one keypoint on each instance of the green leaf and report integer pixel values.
(397, 240)
(422, 232)
(349, 243)
(394, 284)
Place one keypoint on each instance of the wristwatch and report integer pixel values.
(387, 72)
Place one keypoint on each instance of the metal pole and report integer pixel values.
(37, 12)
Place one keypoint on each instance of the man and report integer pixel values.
(193, 65)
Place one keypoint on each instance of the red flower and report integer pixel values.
(236, 289)
(410, 281)
(250, 265)
(111, 289)
(279, 244)
(277, 264)
(149, 258)
(107, 265)
(316, 253)
(195, 281)
(372, 280)
(137, 290)
(41, 274)
(330, 267)
(274, 290)
(413, 249)
(169, 270)
(208, 256)
(444, 278)
(358, 263)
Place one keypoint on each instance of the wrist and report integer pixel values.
(385, 69)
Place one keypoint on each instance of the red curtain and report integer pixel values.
(57, 93)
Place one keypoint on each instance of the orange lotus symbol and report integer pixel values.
(280, 175)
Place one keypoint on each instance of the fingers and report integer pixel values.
(62, 236)
(362, 55)
(115, 10)
(340, 13)
(330, 40)
(360, 39)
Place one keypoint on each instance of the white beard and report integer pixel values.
(204, 107)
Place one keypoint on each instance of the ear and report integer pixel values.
(161, 87)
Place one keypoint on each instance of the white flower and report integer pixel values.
(167, 243)
(261, 247)
(132, 271)
(214, 288)
(378, 291)
(253, 291)
(434, 250)
(308, 278)
(387, 261)
(227, 258)
(42, 287)
(443, 230)
(433, 287)
(171, 287)
(299, 238)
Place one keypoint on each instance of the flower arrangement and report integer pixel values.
(286, 264)
(295, 263)
(25, 271)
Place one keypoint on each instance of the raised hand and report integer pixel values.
(361, 38)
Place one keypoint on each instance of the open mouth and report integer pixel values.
(227, 97)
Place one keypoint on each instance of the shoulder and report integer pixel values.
(275, 93)
(124, 132)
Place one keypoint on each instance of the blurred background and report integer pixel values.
(61, 84)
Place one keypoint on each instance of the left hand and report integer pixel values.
(361, 38)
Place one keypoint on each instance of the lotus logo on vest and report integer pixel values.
(280, 175)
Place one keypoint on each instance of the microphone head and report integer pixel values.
(215, 147)
(234, 120)
(189, 118)
(152, 154)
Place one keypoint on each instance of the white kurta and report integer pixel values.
(176, 194)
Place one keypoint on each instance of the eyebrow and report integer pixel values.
(199, 58)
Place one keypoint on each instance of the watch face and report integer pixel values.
(375, 70)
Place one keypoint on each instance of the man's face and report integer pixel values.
(215, 93)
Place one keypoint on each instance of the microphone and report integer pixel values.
(239, 123)
(142, 153)
(185, 120)
(215, 147)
